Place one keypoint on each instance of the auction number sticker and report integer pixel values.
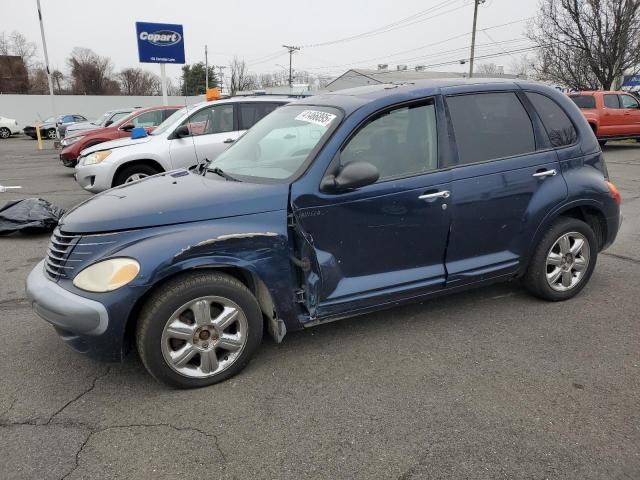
(316, 117)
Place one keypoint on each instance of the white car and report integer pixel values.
(189, 136)
(8, 127)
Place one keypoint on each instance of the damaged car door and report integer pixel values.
(382, 241)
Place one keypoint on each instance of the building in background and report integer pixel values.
(361, 77)
(13, 75)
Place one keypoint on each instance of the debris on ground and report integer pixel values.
(30, 215)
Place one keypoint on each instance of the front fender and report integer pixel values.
(257, 244)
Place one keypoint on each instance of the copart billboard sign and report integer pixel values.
(160, 42)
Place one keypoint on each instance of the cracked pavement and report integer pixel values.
(487, 384)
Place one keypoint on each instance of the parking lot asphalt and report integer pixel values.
(488, 384)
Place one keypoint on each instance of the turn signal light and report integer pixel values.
(614, 192)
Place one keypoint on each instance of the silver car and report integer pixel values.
(187, 137)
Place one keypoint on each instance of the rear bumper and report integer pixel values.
(613, 227)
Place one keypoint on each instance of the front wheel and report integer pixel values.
(134, 173)
(5, 132)
(563, 260)
(51, 134)
(198, 330)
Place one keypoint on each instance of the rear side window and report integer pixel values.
(558, 126)
(489, 126)
(584, 101)
(251, 113)
(611, 101)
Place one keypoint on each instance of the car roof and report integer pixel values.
(351, 99)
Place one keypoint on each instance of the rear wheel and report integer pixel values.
(133, 173)
(5, 132)
(563, 261)
(198, 330)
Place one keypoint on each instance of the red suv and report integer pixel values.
(612, 115)
(149, 118)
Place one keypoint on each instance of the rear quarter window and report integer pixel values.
(559, 128)
(489, 126)
(584, 101)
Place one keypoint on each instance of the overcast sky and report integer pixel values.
(255, 30)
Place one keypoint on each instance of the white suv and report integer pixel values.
(189, 136)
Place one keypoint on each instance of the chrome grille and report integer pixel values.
(60, 247)
(68, 252)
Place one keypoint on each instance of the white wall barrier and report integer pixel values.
(26, 109)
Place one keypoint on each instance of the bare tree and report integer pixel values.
(587, 44)
(91, 74)
(488, 69)
(523, 67)
(240, 78)
(136, 81)
(17, 44)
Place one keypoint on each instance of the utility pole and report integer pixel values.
(46, 61)
(221, 76)
(473, 34)
(206, 70)
(291, 49)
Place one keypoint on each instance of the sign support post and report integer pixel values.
(49, 77)
(163, 80)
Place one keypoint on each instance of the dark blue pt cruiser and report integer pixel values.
(330, 207)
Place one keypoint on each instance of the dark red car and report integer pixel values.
(149, 118)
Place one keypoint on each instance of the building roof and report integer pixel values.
(398, 76)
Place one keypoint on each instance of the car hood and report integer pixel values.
(112, 144)
(186, 197)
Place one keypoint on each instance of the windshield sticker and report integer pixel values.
(316, 117)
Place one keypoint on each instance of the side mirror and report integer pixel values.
(109, 123)
(182, 131)
(128, 127)
(352, 175)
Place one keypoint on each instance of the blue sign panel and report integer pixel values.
(160, 42)
(631, 81)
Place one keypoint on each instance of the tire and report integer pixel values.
(172, 305)
(5, 132)
(602, 142)
(536, 279)
(133, 173)
(51, 134)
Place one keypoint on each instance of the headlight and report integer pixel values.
(96, 157)
(71, 140)
(107, 275)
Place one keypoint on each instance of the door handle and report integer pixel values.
(433, 196)
(229, 140)
(545, 173)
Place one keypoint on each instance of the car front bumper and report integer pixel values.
(82, 323)
(94, 178)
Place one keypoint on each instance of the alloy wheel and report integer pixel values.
(51, 134)
(5, 133)
(204, 337)
(135, 177)
(567, 261)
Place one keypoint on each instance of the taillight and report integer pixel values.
(614, 192)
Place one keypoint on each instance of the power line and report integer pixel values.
(392, 26)
(455, 37)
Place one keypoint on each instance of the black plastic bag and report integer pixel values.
(31, 215)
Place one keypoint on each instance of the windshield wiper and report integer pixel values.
(226, 176)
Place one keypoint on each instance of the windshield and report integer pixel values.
(277, 147)
(102, 120)
(170, 120)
